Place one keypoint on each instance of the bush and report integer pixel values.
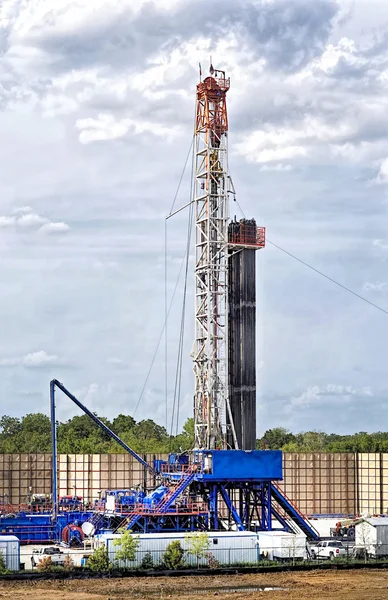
(212, 561)
(99, 560)
(45, 565)
(68, 564)
(148, 561)
(3, 566)
(173, 556)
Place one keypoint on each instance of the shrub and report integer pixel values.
(3, 566)
(57, 569)
(173, 556)
(212, 561)
(99, 560)
(148, 561)
(45, 565)
(68, 563)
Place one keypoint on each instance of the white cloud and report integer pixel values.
(106, 127)
(26, 219)
(31, 220)
(278, 167)
(379, 286)
(54, 228)
(332, 392)
(345, 50)
(33, 359)
(7, 221)
(381, 243)
(382, 175)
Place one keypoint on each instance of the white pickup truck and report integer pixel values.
(329, 550)
(56, 555)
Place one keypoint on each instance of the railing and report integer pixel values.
(248, 235)
(183, 469)
(187, 508)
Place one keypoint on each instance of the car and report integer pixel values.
(329, 550)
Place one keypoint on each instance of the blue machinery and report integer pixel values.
(207, 489)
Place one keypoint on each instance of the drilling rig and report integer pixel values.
(224, 482)
(225, 286)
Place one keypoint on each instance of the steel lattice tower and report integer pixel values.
(210, 354)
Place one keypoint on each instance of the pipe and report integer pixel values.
(53, 450)
(102, 425)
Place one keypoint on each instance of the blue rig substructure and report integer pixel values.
(201, 490)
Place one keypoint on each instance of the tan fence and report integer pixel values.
(318, 483)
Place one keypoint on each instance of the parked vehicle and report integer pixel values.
(56, 555)
(346, 528)
(329, 550)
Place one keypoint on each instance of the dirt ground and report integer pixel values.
(313, 585)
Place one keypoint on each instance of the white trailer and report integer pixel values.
(227, 547)
(280, 545)
(372, 536)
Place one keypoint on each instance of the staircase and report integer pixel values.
(162, 506)
(293, 512)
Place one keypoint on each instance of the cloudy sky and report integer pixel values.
(97, 102)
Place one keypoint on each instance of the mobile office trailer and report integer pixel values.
(226, 547)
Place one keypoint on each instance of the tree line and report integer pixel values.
(280, 438)
(80, 435)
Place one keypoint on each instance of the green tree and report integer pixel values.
(197, 544)
(275, 439)
(10, 426)
(128, 544)
(313, 441)
(173, 555)
(148, 429)
(147, 562)
(123, 423)
(99, 560)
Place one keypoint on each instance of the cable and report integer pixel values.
(327, 277)
(165, 328)
(181, 177)
(161, 336)
(178, 373)
(344, 287)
